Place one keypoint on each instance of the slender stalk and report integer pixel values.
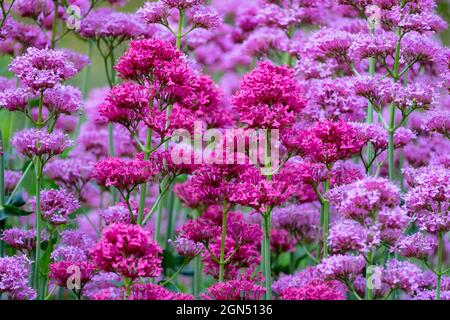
(111, 153)
(370, 110)
(2, 194)
(391, 130)
(87, 71)
(326, 218)
(158, 219)
(127, 283)
(267, 263)
(143, 195)
(55, 24)
(197, 288)
(266, 222)
(369, 289)
(170, 211)
(38, 173)
(175, 274)
(19, 184)
(439, 265)
(292, 263)
(222, 242)
(180, 29)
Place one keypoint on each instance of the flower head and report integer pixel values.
(128, 251)
(32, 142)
(42, 69)
(57, 205)
(14, 273)
(269, 97)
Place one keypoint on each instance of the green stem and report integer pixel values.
(369, 290)
(2, 194)
(180, 29)
(46, 263)
(170, 211)
(143, 195)
(439, 265)
(326, 218)
(370, 110)
(222, 242)
(197, 288)
(267, 264)
(111, 153)
(175, 274)
(12, 121)
(197, 284)
(391, 146)
(158, 220)
(266, 223)
(87, 71)
(127, 283)
(391, 132)
(55, 24)
(38, 173)
(292, 262)
(19, 184)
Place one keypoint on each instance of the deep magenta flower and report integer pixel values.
(151, 291)
(125, 175)
(327, 142)
(269, 97)
(313, 290)
(62, 271)
(128, 251)
(235, 290)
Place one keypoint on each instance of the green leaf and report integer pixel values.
(14, 211)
